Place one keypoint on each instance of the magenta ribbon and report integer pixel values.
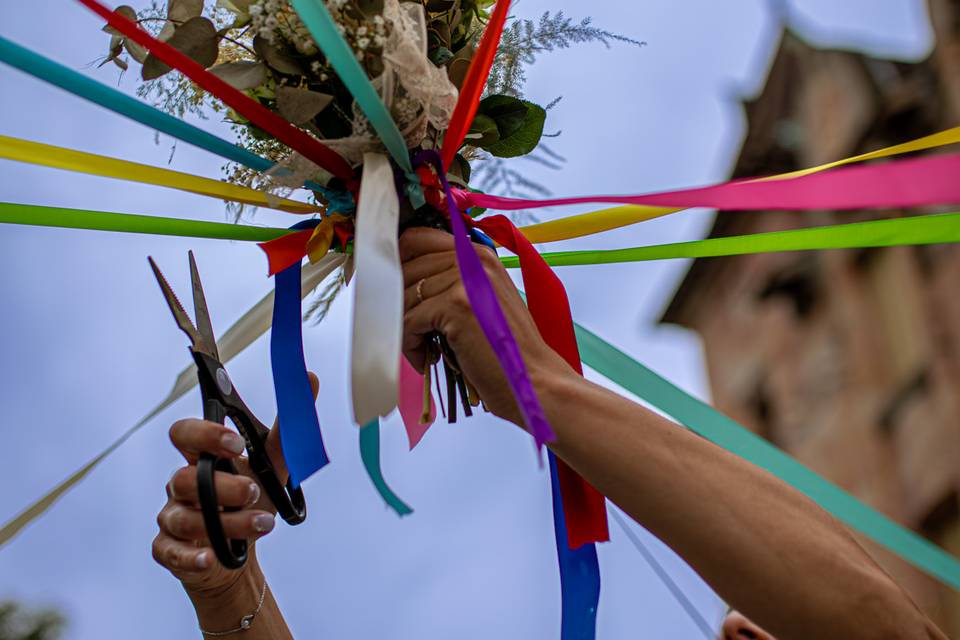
(490, 316)
(904, 183)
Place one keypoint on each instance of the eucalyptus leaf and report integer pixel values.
(241, 75)
(459, 171)
(127, 12)
(441, 30)
(136, 51)
(167, 31)
(458, 65)
(301, 105)
(276, 58)
(183, 10)
(196, 38)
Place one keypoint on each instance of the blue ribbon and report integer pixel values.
(78, 84)
(300, 435)
(370, 453)
(579, 573)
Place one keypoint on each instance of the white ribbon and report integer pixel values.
(378, 293)
(253, 324)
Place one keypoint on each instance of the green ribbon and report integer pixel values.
(28, 214)
(721, 430)
(620, 368)
(917, 230)
(323, 28)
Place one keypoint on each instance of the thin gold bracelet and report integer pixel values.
(245, 622)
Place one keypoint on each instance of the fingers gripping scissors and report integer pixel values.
(221, 401)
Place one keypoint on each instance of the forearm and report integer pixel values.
(765, 548)
(223, 611)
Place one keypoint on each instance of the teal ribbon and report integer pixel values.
(370, 454)
(721, 430)
(80, 85)
(323, 28)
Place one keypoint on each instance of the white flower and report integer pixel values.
(378, 20)
(361, 31)
(379, 40)
(363, 43)
(255, 10)
(315, 66)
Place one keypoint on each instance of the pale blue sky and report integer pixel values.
(88, 346)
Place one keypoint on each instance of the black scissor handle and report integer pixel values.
(231, 553)
(289, 501)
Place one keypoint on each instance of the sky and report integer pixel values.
(88, 346)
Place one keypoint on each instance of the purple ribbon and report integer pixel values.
(487, 309)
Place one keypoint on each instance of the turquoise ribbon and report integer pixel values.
(323, 28)
(370, 454)
(80, 85)
(721, 430)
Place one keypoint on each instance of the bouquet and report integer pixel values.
(415, 54)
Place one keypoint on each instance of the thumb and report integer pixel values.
(274, 449)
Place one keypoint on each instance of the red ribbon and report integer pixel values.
(252, 110)
(583, 506)
(473, 84)
(286, 250)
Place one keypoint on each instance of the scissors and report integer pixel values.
(221, 401)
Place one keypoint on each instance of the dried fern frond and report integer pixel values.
(525, 39)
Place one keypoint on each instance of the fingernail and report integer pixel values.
(263, 523)
(254, 493)
(203, 560)
(232, 443)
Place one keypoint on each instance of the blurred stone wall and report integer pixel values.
(848, 360)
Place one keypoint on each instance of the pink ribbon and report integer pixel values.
(915, 182)
(411, 403)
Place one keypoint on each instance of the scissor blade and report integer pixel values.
(179, 315)
(204, 326)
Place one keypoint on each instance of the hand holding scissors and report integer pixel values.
(213, 459)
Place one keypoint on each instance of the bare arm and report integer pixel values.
(764, 547)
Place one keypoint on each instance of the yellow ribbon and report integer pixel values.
(60, 158)
(586, 224)
(319, 243)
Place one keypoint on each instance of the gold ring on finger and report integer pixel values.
(420, 289)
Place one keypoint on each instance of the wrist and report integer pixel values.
(221, 607)
(556, 388)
